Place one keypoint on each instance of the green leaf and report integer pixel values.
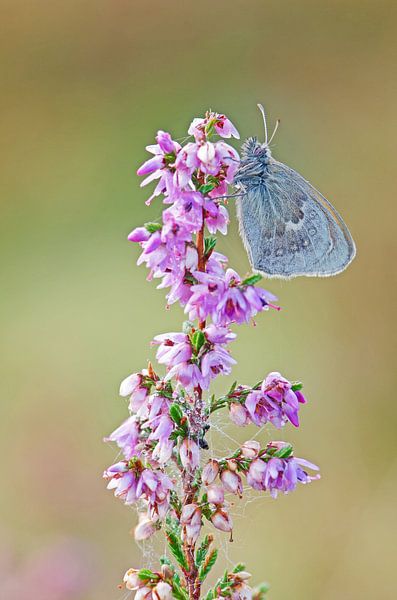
(175, 546)
(145, 574)
(196, 483)
(232, 388)
(284, 452)
(206, 512)
(206, 188)
(202, 550)
(178, 592)
(238, 568)
(176, 413)
(198, 340)
(175, 503)
(252, 279)
(296, 386)
(152, 227)
(208, 564)
(209, 245)
(260, 591)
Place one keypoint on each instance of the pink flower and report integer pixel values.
(189, 453)
(132, 580)
(250, 449)
(217, 362)
(191, 522)
(174, 348)
(136, 388)
(215, 494)
(188, 375)
(127, 437)
(162, 591)
(183, 218)
(132, 482)
(222, 520)
(216, 217)
(139, 234)
(279, 474)
(231, 481)
(143, 531)
(239, 414)
(275, 402)
(221, 124)
(225, 128)
(226, 298)
(206, 152)
(185, 165)
(165, 152)
(210, 472)
(161, 432)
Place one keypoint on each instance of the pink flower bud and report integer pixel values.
(191, 521)
(165, 142)
(250, 449)
(144, 593)
(144, 530)
(232, 465)
(210, 472)
(206, 152)
(256, 473)
(215, 494)
(162, 591)
(222, 520)
(242, 576)
(167, 572)
(130, 384)
(150, 165)
(232, 482)
(131, 580)
(139, 234)
(190, 454)
(239, 414)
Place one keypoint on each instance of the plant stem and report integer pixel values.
(201, 258)
(198, 420)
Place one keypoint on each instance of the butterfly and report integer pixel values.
(288, 228)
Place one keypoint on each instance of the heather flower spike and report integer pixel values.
(164, 464)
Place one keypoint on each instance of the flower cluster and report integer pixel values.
(193, 360)
(276, 400)
(162, 468)
(131, 481)
(273, 469)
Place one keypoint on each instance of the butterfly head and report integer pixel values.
(255, 151)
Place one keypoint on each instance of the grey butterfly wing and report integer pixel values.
(290, 229)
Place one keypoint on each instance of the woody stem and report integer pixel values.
(189, 493)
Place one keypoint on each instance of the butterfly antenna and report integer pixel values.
(274, 131)
(264, 120)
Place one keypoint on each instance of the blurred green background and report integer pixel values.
(85, 87)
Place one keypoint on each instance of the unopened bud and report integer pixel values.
(210, 472)
(162, 591)
(215, 494)
(250, 449)
(222, 520)
(167, 572)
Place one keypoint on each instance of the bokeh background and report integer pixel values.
(85, 86)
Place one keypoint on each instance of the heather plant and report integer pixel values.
(180, 488)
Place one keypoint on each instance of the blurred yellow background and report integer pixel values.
(85, 87)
